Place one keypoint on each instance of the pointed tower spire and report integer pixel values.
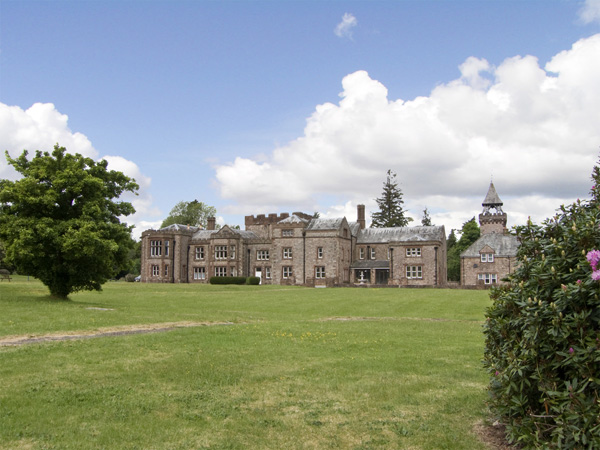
(492, 221)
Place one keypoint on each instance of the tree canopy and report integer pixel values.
(60, 221)
(190, 213)
(391, 213)
(426, 220)
(469, 233)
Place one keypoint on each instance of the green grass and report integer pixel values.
(402, 370)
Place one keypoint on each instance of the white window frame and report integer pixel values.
(199, 273)
(232, 252)
(286, 272)
(287, 233)
(320, 252)
(373, 253)
(287, 253)
(166, 270)
(361, 253)
(262, 255)
(267, 273)
(155, 249)
(414, 272)
(488, 278)
(487, 257)
(199, 253)
(155, 270)
(221, 252)
(220, 271)
(319, 272)
(413, 252)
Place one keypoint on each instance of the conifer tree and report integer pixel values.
(426, 220)
(391, 213)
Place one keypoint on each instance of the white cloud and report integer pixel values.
(534, 129)
(590, 11)
(345, 28)
(42, 126)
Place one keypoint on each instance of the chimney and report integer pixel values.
(211, 223)
(360, 211)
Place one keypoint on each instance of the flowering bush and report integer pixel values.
(542, 332)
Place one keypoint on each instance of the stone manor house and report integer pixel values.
(299, 249)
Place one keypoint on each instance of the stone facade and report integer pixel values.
(297, 249)
(493, 256)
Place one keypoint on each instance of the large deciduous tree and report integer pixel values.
(190, 213)
(60, 221)
(391, 213)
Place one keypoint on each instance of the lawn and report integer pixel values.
(276, 367)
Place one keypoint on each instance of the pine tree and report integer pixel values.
(426, 220)
(390, 203)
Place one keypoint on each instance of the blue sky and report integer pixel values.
(264, 106)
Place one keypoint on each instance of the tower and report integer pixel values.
(492, 219)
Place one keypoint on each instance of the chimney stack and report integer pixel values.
(211, 223)
(360, 210)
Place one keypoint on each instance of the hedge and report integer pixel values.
(227, 280)
(542, 333)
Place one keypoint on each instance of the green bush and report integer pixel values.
(254, 281)
(130, 277)
(227, 280)
(542, 333)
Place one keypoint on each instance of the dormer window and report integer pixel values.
(487, 257)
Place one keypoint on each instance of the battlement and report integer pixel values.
(261, 219)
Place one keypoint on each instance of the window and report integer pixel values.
(166, 248)
(155, 248)
(268, 273)
(414, 272)
(233, 252)
(155, 271)
(361, 253)
(320, 272)
(488, 278)
(166, 270)
(287, 272)
(287, 233)
(319, 252)
(233, 272)
(221, 252)
(413, 251)
(262, 255)
(199, 273)
(199, 252)
(372, 253)
(220, 271)
(487, 257)
(287, 253)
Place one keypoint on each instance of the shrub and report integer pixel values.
(254, 281)
(227, 280)
(542, 332)
(130, 277)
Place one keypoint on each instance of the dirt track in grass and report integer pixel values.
(7, 341)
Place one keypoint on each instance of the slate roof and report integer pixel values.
(505, 245)
(370, 264)
(492, 198)
(293, 219)
(400, 234)
(180, 227)
(354, 228)
(325, 224)
(207, 234)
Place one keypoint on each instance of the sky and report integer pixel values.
(258, 107)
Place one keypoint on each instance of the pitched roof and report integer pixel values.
(207, 234)
(325, 224)
(503, 245)
(293, 219)
(180, 227)
(492, 198)
(401, 234)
